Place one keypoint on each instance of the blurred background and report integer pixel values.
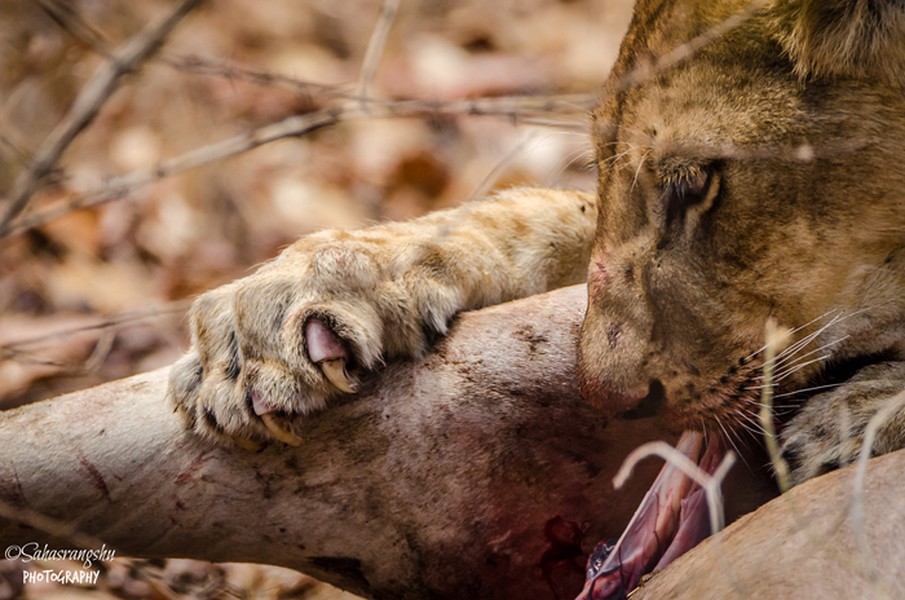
(101, 293)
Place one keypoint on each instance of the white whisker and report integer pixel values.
(753, 424)
(782, 368)
(802, 343)
(792, 370)
(826, 346)
(808, 389)
(638, 170)
(792, 332)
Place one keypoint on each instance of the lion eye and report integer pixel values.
(690, 187)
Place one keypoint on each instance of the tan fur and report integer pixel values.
(843, 38)
(384, 290)
(803, 220)
(756, 175)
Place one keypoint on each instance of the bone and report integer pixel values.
(441, 479)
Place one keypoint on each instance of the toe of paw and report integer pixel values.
(808, 457)
(269, 386)
(325, 345)
(185, 380)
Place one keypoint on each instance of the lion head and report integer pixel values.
(749, 170)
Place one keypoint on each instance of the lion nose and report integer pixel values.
(649, 405)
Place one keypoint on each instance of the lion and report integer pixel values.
(747, 157)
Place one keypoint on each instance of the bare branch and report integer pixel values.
(228, 70)
(375, 47)
(343, 107)
(66, 16)
(128, 57)
(648, 71)
(515, 107)
(119, 319)
(33, 350)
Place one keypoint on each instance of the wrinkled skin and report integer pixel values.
(743, 177)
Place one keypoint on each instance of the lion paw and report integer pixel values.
(309, 325)
(304, 328)
(829, 430)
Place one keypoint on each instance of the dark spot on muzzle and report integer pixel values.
(612, 335)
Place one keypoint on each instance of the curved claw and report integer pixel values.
(279, 432)
(335, 371)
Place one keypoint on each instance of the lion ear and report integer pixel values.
(864, 39)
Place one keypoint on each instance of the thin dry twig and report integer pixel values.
(374, 51)
(18, 153)
(125, 59)
(777, 339)
(890, 409)
(226, 69)
(645, 72)
(120, 319)
(41, 522)
(66, 16)
(82, 31)
(298, 125)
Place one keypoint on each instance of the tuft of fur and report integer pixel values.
(859, 39)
